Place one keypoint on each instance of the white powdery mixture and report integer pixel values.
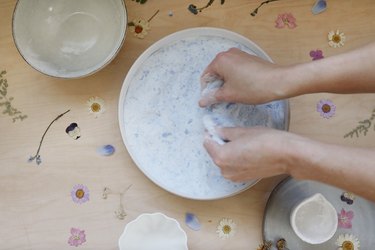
(163, 121)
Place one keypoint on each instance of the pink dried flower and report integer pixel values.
(345, 219)
(286, 19)
(77, 238)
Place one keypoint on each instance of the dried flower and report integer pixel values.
(80, 194)
(6, 101)
(336, 39)
(78, 237)
(226, 228)
(286, 19)
(348, 198)
(265, 245)
(347, 242)
(140, 26)
(319, 7)
(316, 54)
(73, 131)
(37, 157)
(345, 219)
(195, 10)
(363, 126)
(326, 108)
(96, 106)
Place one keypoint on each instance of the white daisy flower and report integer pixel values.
(347, 242)
(336, 39)
(226, 228)
(96, 106)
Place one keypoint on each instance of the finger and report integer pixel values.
(231, 133)
(212, 147)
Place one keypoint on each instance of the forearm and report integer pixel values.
(351, 72)
(349, 168)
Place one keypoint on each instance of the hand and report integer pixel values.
(252, 152)
(247, 79)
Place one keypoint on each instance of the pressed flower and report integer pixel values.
(319, 7)
(192, 221)
(336, 39)
(347, 242)
(96, 106)
(106, 150)
(139, 27)
(265, 246)
(73, 131)
(348, 198)
(345, 219)
(226, 228)
(286, 19)
(80, 194)
(326, 108)
(316, 54)
(78, 237)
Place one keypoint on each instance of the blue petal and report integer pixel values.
(192, 222)
(106, 150)
(319, 6)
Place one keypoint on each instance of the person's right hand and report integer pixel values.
(247, 79)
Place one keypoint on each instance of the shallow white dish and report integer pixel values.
(161, 122)
(153, 231)
(70, 38)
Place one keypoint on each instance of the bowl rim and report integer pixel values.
(156, 214)
(103, 65)
(146, 54)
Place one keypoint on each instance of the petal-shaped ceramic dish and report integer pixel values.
(153, 231)
(69, 39)
(160, 120)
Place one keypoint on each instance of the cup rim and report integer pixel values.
(102, 65)
(302, 236)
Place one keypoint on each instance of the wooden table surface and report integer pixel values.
(36, 208)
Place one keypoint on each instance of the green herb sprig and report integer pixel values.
(6, 102)
(363, 127)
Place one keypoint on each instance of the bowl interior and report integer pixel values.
(69, 38)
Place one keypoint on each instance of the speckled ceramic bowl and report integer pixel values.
(70, 38)
(160, 120)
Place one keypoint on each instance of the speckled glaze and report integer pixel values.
(162, 124)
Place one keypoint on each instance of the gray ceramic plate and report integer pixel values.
(290, 192)
(160, 120)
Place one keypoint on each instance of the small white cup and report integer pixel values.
(314, 220)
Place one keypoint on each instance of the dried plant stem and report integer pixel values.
(265, 2)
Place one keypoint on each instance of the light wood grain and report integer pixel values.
(36, 210)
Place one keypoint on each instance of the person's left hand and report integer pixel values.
(252, 152)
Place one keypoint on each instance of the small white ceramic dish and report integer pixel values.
(162, 124)
(70, 38)
(152, 232)
(314, 220)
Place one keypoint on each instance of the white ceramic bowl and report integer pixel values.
(152, 232)
(314, 219)
(70, 38)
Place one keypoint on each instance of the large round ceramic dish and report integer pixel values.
(152, 232)
(161, 122)
(70, 38)
(285, 196)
